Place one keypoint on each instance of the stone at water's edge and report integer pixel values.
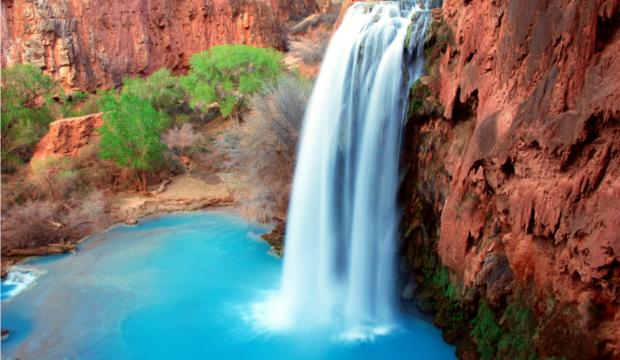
(131, 221)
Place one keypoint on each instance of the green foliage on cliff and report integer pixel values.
(513, 339)
(486, 332)
(422, 102)
(131, 134)
(448, 307)
(24, 114)
(417, 96)
(73, 104)
(161, 89)
(517, 341)
(228, 74)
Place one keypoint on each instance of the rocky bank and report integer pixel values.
(512, 192)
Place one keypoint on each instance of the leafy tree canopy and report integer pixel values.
(131, 134)
(161, 89)
(24, 114)
(226, 74)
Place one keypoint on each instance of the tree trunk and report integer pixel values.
(144, 181)
(141, 177)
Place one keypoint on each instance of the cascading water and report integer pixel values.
(343, 218)
(18, 280)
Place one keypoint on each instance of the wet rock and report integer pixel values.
(276, 238)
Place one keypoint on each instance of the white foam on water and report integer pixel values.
(19, 279)
(364, 334)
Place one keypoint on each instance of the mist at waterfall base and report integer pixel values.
(342, 226)
(175, 287)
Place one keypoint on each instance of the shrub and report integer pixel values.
(131, 135)
(268, 144)
(75, 104)
(79, 96)
(518, 341)
(29, 225)
(24, 116)
(54, 177)
(486, 332)
(39, 223)
(181, 137)
(87, 217)
(90, 105)
(312, 50)
(161, 89)
(282, 107)
(227, 74)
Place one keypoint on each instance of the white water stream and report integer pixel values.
(343, 218)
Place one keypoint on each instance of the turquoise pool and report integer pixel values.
(178, 286)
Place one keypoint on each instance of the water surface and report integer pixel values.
(178, 286)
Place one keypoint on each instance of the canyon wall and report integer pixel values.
(93, 44)
(513, 158)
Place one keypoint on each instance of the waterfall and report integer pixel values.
(342, 228)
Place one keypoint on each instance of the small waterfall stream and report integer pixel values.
(343, 217)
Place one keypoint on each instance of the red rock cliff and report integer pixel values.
(528, 148)
(67, 137)
(92, 44)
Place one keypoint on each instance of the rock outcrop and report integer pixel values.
(67, 137)
(514, 154)
(94, 44)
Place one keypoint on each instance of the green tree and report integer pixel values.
(227, 74)
(131, 135)
(24, 114)
(161, 89)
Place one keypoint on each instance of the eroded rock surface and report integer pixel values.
(93, 44)
(524, 163)
(67, 137)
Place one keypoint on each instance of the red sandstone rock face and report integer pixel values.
(539, 179)
(93, 44)
(67, 137)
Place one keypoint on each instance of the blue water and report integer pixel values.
(178, 286)
(6, 290)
